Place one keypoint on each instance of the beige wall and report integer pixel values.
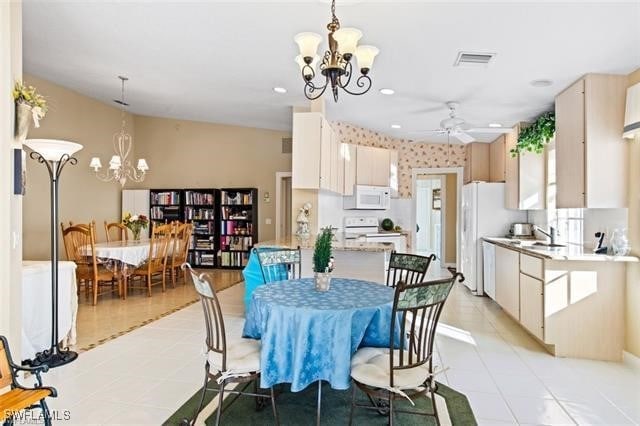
(77, 118)
(451, 217)
(189, 154)
(633, 270)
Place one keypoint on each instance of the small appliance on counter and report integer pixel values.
(365, 229)
(599, 248)
(522, 231)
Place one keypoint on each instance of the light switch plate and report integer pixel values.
(267, 221)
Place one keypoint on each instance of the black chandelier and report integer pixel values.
(336, 65)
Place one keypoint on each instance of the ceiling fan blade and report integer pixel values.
(463, 137)
(424, 132)
(497, 130)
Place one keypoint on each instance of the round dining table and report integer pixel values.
(308, 335)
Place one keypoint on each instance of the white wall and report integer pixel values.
(331, 212)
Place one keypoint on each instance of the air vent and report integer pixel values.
(287, 145)
(473, 59)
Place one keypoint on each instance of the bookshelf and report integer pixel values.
(200, 208)
(238, 226)
(165, 205)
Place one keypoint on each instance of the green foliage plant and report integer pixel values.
(534, 137)
(322, 250)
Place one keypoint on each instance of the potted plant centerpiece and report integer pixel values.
(136, 223)
(30, 105)
(322, 260)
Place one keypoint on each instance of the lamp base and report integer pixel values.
(53, 358)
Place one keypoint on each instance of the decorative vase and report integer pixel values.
(322, 280)
(136, 234)
(23, 120)
(619, 242)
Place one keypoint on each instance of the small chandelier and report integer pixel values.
(336, 65)
(120, 166)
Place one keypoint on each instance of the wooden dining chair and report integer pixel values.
(116, 231)
(179, 251)
(404, 372)
(229, 360)
(408, 268)
(156, 263)
(79, 244)
(18, 397)
(279, 264)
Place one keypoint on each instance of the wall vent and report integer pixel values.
(287, 145)
(473, 59)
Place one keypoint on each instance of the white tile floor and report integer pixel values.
(144, 376)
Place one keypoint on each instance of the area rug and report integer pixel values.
(300, 409)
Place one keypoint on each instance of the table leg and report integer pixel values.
(319, 402)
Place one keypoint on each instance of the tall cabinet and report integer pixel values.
(238, 226)
(591, 155)
(200, 208)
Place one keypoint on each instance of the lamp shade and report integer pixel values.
(115, 162)
(365, 56)
(301, 64)
(347, 39)
(142, 165)
(632, 113)
(308, 44)
(95, 163)
(53, 149)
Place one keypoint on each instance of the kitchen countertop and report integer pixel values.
(339, 244)
(570, 252)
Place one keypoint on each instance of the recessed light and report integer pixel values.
(396, 126)
(495, 125)
(541, 83)
(280, 90)
(386, 91)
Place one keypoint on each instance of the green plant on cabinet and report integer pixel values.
(534, 137)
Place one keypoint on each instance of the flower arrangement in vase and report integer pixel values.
(30, 105)
(322, 259)
(136, 223)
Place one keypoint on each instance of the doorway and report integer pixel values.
(436, 213)
(283, 205)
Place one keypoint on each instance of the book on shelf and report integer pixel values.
(233, 259)
(238, 243)
(236, 213)
(165, 197)
(203, 228)
(202, 243)
(202, 259)
(232, 227)
(198, 198)
(195, 213)
(236, 197)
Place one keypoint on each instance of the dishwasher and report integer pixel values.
(489, 266)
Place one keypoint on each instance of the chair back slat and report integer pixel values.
(116, 231)
(408, 268)
(79, 244)
(6, 374)
(417, 307)
(180, 245)
(160, 238)
(214, 321)
(279, 264)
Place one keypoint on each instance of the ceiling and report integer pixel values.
(218, 61)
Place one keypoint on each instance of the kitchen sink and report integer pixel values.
(548, 245)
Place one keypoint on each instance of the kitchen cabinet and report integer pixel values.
(315, 154)
(337, 165)
(525, 183)
(372, 166)
(497, 158)
(591, 156)
(349, 157)
(508, 280)
(477, 164)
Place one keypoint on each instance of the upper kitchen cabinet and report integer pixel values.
(372, 166)
(591, 156)
(525, 183)
(497, 160)
(349, 153)
(312, 153)
(477, 167)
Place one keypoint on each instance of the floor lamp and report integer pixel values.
(54, 154)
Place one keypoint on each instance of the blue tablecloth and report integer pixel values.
(309, 335)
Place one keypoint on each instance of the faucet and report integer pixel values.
(551, 234)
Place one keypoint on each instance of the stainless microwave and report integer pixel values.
(368, 198)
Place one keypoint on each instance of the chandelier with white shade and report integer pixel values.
(336, 64)
(120, 166)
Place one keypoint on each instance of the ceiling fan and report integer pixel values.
(454, 127)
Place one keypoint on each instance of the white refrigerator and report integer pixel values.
(483, 215)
